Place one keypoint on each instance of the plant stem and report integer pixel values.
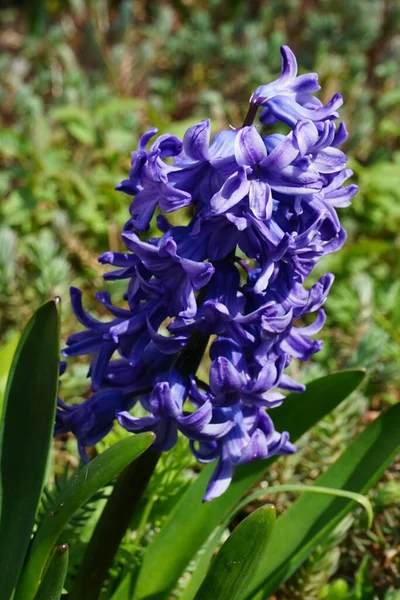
(144, 519)
(112, 525)
(251, 114)
(190, 358)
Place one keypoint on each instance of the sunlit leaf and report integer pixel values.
(25, 437)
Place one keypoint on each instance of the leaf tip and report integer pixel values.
(57, 303)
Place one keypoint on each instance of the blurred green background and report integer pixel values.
(81, 79)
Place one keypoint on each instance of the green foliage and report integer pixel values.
(315, 572)
(321, 553)
(37, 567)
(362, 589)
(299, 530)
(242, 567)
(85, 482)
(6, 355)
(32, 268)
(76, 99)
(53, 582)
(236, 563)
(79, 528)
(24, 449)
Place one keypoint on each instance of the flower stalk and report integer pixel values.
(112, 525)
(251, 113)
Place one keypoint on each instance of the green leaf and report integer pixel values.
(117, 107)
(82, 131)
(300, 529)
(311, 489)
(212, 543)
(12, 145)
(125, 588)
(6, 355)
(25, 438)
(53, 582)
(202, 564)
(363, 588)
(79, 182)
(85, 482)
(233, 569)
(70, 113)
(161, 567)
(118, 140)
(338, 590)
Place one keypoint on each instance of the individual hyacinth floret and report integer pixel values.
(263, 213)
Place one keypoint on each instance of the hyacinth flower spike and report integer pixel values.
(232, 282)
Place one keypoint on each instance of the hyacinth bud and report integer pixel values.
(270, 198)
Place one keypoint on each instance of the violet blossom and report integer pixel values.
(269, 197)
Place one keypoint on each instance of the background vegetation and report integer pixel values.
(80, 80)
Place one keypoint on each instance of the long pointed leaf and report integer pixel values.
(235, 565)
(203, 563)
(212, 543)
(6, 356)
(311, 489)
(125, 588)
(85, 482)
(311, 517)
(191, 522)
(53, 582)
(25, 438)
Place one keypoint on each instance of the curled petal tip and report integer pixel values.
(289, 63)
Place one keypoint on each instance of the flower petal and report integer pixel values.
(196, 141)
(249, 147)
(233, 191)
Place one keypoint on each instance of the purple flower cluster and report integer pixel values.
(263, 213)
